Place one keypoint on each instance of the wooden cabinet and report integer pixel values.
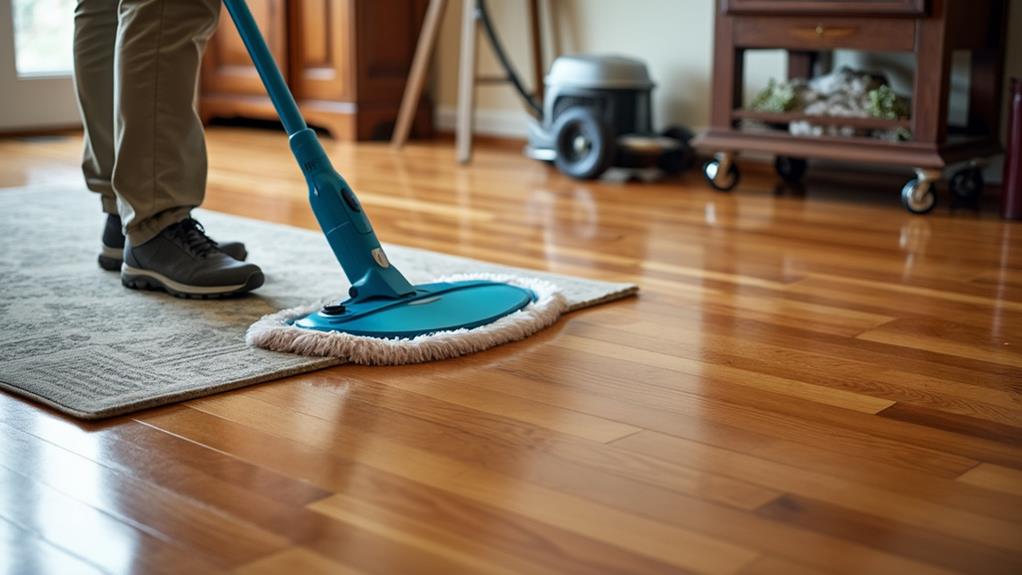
(346, 62)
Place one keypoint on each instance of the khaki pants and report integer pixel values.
(136, 73)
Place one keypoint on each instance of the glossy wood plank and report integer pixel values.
(329, 471)
(965, 370)
(26, 552)
(905, 306)
(163, 514)
(403, 522)
(944, 337)
(78, 529)
(659, 504)
(975, 527)
(296, 560)
(922, 544)
(666, 391)
(774, 566)
(350, 545)
(417, 420)
(206, 475)
(995, 477)
(793, 388)
(565, 510)
(834, 380)
(900, 478)
(593, 484)
(961, 424)
(818, 384)
(522, 409)
(926, 292)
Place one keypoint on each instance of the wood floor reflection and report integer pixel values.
(806, 384)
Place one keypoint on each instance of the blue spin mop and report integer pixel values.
(386, 319)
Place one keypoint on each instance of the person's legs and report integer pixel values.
(137, 65)
(95, 34)
(160, 169)
(96, 25)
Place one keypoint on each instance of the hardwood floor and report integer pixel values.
(804, 385)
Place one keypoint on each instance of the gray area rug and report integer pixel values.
(71, 337)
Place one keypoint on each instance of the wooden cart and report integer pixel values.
(930, 29)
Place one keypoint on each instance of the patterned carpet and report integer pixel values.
(75, 339)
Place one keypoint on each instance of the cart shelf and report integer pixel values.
(852, 121)
(852, 148)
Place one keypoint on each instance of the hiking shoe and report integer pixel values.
(112, 255)
(183, 261)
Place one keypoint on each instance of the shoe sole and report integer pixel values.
(111, 259)
(140, 279)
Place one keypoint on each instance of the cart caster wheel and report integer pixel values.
(791, 170)
(919, 197)
(966, 186)
(718, 181)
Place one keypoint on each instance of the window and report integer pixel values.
(43, 33)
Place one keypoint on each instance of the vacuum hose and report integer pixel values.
(498, 49)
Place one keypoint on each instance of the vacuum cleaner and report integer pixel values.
(596, 114)
(381, 302)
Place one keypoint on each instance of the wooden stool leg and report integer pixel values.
(537, 50)
(417, 75)
(466, 81)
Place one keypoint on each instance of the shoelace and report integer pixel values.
(193, 238)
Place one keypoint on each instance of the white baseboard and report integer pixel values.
(492, 122)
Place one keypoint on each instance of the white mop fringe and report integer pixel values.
(275, 332)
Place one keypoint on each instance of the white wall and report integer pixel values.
(674, 38)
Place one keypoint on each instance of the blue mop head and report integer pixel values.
(277, 331)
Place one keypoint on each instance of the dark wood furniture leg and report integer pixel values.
(538, 70)
(801, 64)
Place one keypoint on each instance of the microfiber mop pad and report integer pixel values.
(276, 332)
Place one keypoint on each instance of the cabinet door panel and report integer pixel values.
(388, 31)
(323, 50)
(227, 69)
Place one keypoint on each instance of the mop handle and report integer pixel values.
(276, 87)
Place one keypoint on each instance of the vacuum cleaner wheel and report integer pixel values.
(584, 145)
